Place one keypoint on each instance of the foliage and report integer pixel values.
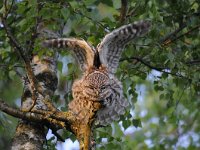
(160, 71)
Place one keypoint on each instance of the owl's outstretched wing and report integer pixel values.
(83, 52)
(112, 45)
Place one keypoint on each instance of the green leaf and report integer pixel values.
(106, 12)
(126, 124)
(137, 123)
(65, 12)
(60, 65)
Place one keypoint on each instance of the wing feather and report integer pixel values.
(112, 45)
(83, 52)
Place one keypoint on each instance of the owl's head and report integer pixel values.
(97, 84)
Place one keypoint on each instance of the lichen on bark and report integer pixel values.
(30, 135)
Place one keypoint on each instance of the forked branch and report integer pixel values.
(57, 119)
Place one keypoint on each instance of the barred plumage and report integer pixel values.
(83, 52)
(114, 105)
(98, 91)
(112, 45)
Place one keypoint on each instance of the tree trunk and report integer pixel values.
(28, 136)
(31, 136)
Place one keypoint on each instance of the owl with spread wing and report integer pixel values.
(98, 92)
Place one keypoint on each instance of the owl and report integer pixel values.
(98, 92)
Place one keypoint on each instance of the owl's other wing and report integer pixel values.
(112, 112)
(83, 52)
(112, 45)
(114, 105)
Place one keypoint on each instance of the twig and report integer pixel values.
(193, 62)
(169, 41)
(144, 62)
(123, 12)
(6, 8)
(5, 5)
(170, 36)
(13, 41)
(9, 67)
(160, 69)
(14, 66)
(132, 12)
(34, 31)
(180, 36)
(98, 23)
(80, 13)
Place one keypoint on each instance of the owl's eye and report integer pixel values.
(103, 87)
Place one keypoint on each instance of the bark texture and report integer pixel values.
(29, 135)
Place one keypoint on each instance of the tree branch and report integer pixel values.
(160, 69)
(193, 62)
(172, 35)
(34, 31)
(66, 117)
(132, 12)
(20, 50)
(182, 35)
(12, 39)
(6, 7)
(14, 66)
(58, 119)
(80, 13)
(51, 123)
(123, 12)
(53, 120)
(19, 114)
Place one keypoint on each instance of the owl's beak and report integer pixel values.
(97, 93)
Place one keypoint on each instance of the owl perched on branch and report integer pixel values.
(98, 91)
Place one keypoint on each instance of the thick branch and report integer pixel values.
(53, 120)
(19, 114)
(60, 119)
(66, 117)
